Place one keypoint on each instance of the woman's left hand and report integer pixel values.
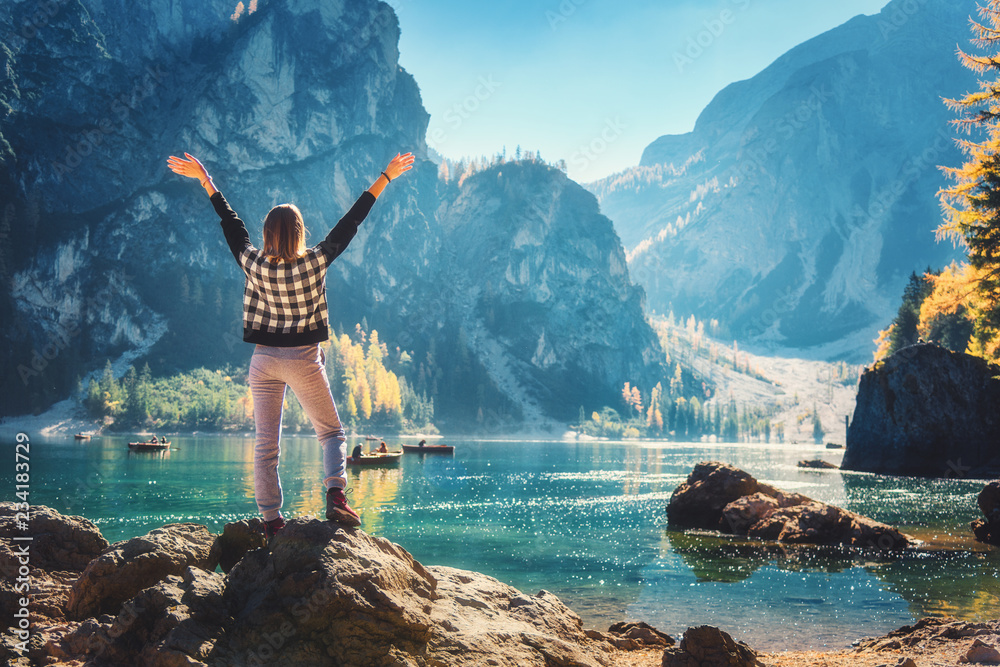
(190, 167)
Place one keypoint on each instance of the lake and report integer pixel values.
(584, 520)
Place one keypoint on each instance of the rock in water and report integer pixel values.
(699, 501)
(819, 523)
(707, 646)
(818, 464)
(128, 567)
(720, 497)
(988, 530)
(929, 412)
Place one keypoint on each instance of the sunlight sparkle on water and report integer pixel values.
(585, 521)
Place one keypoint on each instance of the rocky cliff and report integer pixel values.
(929, 412)
(805, 196)
(111, 256)
(543, 290)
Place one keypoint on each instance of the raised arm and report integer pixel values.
(398, 165)
(340, 236)
(234, 229)
(192, 168)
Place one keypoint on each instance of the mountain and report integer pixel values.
(541, 285)
(110, 255)
(805, 196)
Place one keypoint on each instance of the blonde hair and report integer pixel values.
(284, 233)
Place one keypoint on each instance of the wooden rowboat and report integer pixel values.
(148, 446)
(376, 459)
(429, 449)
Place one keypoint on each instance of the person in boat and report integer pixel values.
(358, 452)
(382, 449)
(153, 440)
(285, 316)
(421, 443)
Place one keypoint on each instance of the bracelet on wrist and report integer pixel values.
(388, 180)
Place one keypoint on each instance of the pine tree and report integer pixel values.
(972, 205)
(818, 432)
(904, 328)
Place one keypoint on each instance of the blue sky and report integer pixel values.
(592, 82)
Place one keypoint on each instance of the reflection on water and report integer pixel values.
(714, 557)
(584, 520)
(373, 489)
(866, 588)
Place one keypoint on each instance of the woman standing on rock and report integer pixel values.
(285, 314)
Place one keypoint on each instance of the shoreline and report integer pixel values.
(828, 653)
(930, 640)
(66, 418)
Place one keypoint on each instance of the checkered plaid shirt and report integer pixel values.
(284, 302)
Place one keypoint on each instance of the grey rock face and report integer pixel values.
(113, 255)
(929, 412)
(543, 289)
(804, 196)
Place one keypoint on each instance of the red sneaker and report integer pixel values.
(338, 510)
(272, 527)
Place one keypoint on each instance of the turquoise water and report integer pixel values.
(583, 520)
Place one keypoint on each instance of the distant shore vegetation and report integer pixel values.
(368, 382)
(686, 407)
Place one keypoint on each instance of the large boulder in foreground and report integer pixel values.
(58, 542)
(175, 622)
(128, 567)
(237, 539)
(929, 412)
(60, 548)
(708, 499)
(323, 593)
(316, 594)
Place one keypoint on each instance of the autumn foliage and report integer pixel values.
(972, 205)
